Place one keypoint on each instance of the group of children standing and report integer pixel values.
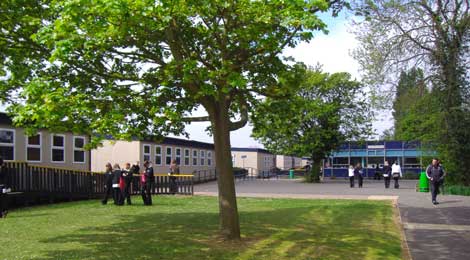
(388, 172)
(118, 182)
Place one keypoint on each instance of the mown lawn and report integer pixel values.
(186, 228)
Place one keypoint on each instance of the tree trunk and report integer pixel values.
(315, 170)
(228, 212)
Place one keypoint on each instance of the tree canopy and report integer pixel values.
(323, 111)
(433, 35)
(140, 67)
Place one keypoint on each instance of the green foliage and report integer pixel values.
(416, 109)
(186, 228)
(434, 37)
(323, 111)
(138, 68)
(457, 190)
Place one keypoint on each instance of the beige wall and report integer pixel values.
(163, 167)
(124, 151)
(266, 161)
(251, 160)
(120, 152)
(285, 162)
(255, 160)
(20, 149)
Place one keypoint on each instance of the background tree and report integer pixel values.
(431, 35)
(323, 111)
(140, 67)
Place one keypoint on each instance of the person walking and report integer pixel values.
(396, 173)
(108, 183)
(358, 171)
(174, 169)
(3, 191)
(148, 182)
(127, 174)
(387, 173)
(117, 194)
(435, 173)
(351, 176)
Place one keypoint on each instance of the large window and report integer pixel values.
(202, 155)
(186, 157)
(7, 144)
(168, 156)
(78, 149)
(195, 157)
(33, 148)
(339, 162)
(58, 148)
(209, 158)
(146, 152)
(178, 155)
(158, 155)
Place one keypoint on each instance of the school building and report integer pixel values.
(374, 153)
(192, 156)
(60, 150)
(285, 162)
(256, 160)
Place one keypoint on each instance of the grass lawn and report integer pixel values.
(186, 228)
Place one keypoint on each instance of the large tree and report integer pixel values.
(433, 35)
(323, 111)
(140, 67)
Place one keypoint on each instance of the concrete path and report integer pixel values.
(431, 232)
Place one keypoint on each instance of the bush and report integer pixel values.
(457, 190)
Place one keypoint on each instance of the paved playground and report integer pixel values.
(432, 232)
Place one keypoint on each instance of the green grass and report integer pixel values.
(186, 228)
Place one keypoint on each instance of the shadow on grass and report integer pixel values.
(287, 233)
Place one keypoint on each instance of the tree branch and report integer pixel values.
(196, 119)
(244, 117)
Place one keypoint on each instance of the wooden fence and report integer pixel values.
(38, 184)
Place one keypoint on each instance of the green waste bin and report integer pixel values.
(423, 183)
(291, 174)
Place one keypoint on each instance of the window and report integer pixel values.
(158, 155)
(209, 158)
(78, 151)
(58, 148)
(33, 148)
(186, 157)
(168, 156)
(7, 144)
(146, 152)
(195, 157)
(178, 155)
(233, 159)
(202, 153)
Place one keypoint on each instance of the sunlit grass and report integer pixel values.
(186, 228)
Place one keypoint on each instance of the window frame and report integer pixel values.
(27, 145)
(209, 158)
(57, 148)
(195, 158)
(144, 153)
(158, 155)
(202, 157)
(79, 149)
(178, 157)
(10, 144)
(166, 155)
(187, 157)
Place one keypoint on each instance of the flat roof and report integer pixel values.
(242, 149)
